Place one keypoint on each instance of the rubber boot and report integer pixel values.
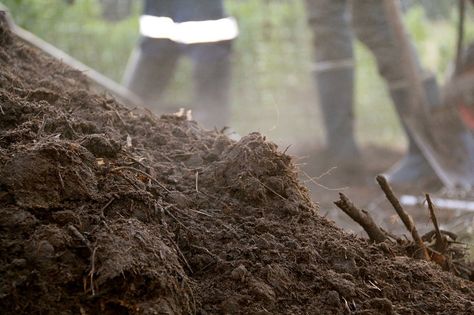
(211, 77)
(150, 69)
(336, 98)
(413, 168)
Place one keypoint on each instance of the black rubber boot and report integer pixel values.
(413, 168)
(212, 77)
(150, 69)
(336, 98)
(211, 105)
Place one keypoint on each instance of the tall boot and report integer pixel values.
(212, 76)
(413, 168)
(336, 99)
(150, 69)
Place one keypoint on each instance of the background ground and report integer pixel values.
(273, 89)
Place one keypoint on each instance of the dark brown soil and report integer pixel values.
(108, 210)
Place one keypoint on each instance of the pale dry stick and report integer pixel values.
(102, 214)
(192, 297)
(207, 251)
(201, 212)
(362, 217)
(81, 181)
(91, 273)
(346, 305)
(181, 254)
(265, 186)
(61, 181)
(41, 128)
(79, 235)
(68, 123)
(197, 182)
(119, 117)
(192, 210)
(373, 285)
(131, 157)
(328, 172)
(165, 157)
(440, 241)
(405, 217)
(177, 220)
(141, 172)
(311, 179)
(132, 183)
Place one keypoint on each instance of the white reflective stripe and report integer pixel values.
(156, 27)
(443, 203)
(191, 32)
(207, 31)
(333, 65)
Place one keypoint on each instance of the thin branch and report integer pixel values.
(441, 243)
(197, 181)
(141, 172)
(405, 217)
(91, 273)
(181, 254)
(312, 180)
(362, 217)
(102, 210)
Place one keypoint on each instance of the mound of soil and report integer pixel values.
(111, 210)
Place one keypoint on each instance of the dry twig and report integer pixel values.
(405, 217)
(91, 273)
(141, 172)
(181, 254)
(441, 243)
(197, 182)
(362, 217)
(79, 235)
(102, 210)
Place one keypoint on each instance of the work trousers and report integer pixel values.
(332, 22)
(154, 61)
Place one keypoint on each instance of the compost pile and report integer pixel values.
(110, 210)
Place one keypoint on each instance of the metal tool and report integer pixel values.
(441, 135)
(100, 81)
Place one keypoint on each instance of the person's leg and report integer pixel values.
(413, 168)
(211, 60)
(150, 69)
(202, 10)
(372, 28)
(334, 75)
(212, 77)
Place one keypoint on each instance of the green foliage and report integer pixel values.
(79, 30)
(272, 87)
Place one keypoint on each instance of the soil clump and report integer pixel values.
(110, 210)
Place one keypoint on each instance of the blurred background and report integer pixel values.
(273, 89)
